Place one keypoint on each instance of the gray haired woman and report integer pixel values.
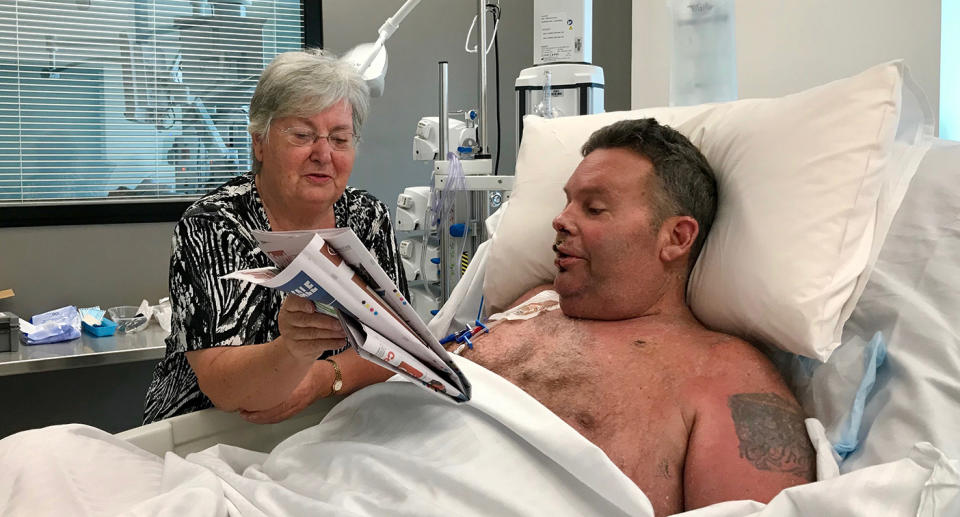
(247, 348)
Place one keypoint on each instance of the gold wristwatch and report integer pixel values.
(337, 379)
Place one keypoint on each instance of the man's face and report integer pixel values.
(309, 174)
(607, 249)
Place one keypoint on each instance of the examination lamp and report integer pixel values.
(371, 58)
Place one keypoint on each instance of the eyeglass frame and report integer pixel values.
(353, 141)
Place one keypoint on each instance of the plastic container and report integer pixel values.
(105, 328)
(9, 332)
(128, 318)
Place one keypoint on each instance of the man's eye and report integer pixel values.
(339, 140)
(592, 210)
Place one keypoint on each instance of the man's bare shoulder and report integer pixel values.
(725, 359)
(715, 364)
(747, 426)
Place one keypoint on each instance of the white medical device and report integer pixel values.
(563, 31)
(463, 137)
(562, 81)
(412, 205)
(416, 266)
(558, 90)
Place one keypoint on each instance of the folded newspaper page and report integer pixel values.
(334, 270)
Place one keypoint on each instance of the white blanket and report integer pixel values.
(396, 449)
(390, 449)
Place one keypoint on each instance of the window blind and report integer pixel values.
(104, 100)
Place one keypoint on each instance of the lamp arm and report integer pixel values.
(392, 23)
(387, 29)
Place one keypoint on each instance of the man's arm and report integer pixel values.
(748, 439)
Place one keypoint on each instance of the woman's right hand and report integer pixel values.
(305, 332)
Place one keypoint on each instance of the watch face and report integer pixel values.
(337, 385)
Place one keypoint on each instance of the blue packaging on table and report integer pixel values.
(58, 325)
(105, 328)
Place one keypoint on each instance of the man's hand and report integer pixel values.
(306, 333)
(315, 384)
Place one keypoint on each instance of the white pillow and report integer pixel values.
(799, 180)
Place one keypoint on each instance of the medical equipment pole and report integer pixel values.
(442, 157)
(481, 52)
(444, 113)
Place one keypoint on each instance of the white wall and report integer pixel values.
(784, 46)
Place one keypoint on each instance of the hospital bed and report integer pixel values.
(903, 482)
(903, 427)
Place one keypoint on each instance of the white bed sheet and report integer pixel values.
(913, 297)
(926, 484)
(397, 449)
(390, 449)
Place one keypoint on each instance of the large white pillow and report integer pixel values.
(799, 179)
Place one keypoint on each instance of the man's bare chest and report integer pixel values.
(613, 387)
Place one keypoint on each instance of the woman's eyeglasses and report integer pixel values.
(338, 140)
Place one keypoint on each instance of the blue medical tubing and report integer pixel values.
(464, 335)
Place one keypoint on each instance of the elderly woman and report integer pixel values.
(246, 348)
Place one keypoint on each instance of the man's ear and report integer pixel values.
(257, 142)
(678, 234)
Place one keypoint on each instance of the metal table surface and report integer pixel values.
(85, 351)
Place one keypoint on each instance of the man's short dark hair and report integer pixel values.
(686, 182)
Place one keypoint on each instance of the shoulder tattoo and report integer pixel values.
(772, 434)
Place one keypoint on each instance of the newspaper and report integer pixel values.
(337, 272)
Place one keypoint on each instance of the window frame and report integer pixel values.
(133, 211)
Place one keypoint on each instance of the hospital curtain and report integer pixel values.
(114, 101)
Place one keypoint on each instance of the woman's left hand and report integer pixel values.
(315, 383)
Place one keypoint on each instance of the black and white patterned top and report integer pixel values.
(214, 238)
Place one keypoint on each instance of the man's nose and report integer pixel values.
(561, 222)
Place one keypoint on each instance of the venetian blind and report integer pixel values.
(101, 100)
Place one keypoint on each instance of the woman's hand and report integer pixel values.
(306, 333)
(315, 384)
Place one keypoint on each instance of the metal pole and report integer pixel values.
(481, 53)
(443, 226)
(444, 112)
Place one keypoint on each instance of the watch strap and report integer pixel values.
(337, 378)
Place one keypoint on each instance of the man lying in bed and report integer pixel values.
(694, 417)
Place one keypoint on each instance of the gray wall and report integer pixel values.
(106, 265)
